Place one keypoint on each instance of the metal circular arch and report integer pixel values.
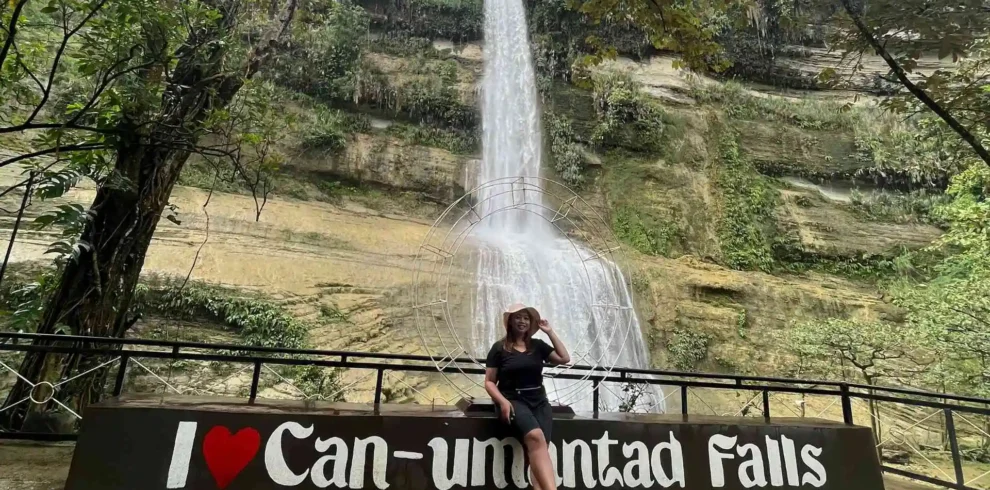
(441, 257)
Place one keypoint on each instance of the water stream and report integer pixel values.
(522, 257)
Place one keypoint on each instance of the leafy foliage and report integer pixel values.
(687, 349)
(956, 30)
(330, 129)
(872, 351)
(894, 207)
(454, 140)
(920, 153)
(23, 297)
(626, 117)
(561, 36)
(259, 322)
(567, 154)
(324, 58)
(687, 28)
(321, 383)
(428, 93)
(747, 224)
(740, 103)
(645, 233)
(458, 20)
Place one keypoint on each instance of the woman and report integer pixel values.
(514, 380)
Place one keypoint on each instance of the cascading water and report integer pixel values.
(522, 257)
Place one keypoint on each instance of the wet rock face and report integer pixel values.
(390, 162)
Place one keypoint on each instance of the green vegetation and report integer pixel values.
(257, 321)
(747, 226)
(330, 129)
(567, 154)
(645, 232)
(918, 153)
(425, 91)
(625, 116)
(913, 207)
(458, 20)
(458, 141)
(942, 344)
(688, 349)
(324, 59)
(743, 104)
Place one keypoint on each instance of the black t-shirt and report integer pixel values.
(519, 369)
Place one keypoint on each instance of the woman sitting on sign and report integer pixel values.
(514, 380)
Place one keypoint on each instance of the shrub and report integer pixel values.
(747, 226)
(625, 116)
(330, 129)
(687, 349)
(643, 232)
(259, 322)
(740, 103)
(568, 161)
(323, 60)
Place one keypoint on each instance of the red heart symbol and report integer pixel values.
(227, 455)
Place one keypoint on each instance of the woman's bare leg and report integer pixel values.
(533, 481)
(539, 460)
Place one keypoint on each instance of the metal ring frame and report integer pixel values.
(436, 254)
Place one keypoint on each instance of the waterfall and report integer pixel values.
(522, 257)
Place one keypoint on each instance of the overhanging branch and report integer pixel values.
(920, 94)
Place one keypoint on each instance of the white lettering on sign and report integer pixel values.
(676, 463)
(606, 475)
(751, 470)
(278, 470)
(479, 450)
(469, 462)
(460, 471)
(336, 451)
(178, 470)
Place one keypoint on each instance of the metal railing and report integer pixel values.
(122, 354)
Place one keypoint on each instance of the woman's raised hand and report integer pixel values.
(544, 325)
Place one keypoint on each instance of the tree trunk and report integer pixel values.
(95, 290)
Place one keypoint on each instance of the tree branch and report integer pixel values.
(31, 126)
(920, 94)
(57, 149)
(58, 58)
(11, 31)
(259, 54)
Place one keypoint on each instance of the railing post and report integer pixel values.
(378, 386)
(950, 427)
(766, 404)
(847, 411)
(595, 396)
(118, 384)
(254, 381)
(684, 406)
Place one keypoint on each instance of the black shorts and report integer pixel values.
(531, 411)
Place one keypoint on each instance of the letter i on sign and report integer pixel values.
(178, 469)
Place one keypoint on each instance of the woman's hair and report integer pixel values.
(509, 335)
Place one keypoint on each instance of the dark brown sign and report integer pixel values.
(209, 444)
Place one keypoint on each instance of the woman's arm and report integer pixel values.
(559, 354)
(505, 408)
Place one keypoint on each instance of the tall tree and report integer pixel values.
(151, 74)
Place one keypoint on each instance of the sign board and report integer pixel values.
(212, 444)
